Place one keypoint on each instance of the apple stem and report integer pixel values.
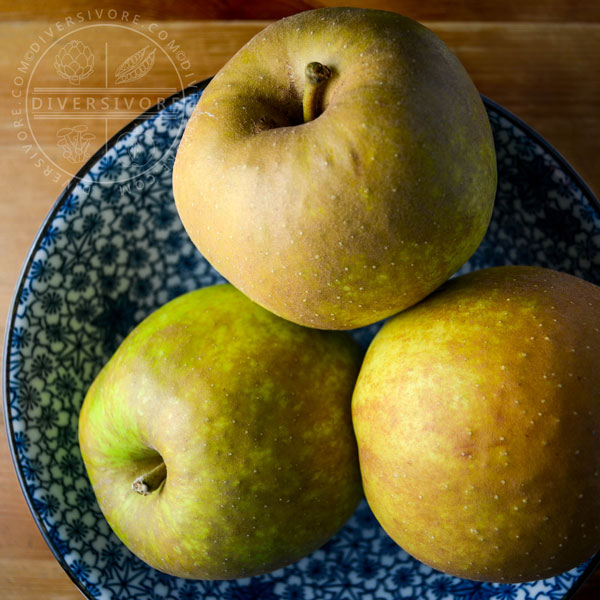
(316, 74)
(149, 482)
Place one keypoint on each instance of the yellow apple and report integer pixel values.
(338, 168)
(218, 438)
(477, 416)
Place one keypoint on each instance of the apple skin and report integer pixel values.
(251, 415)
(477, 416)
(361, 212)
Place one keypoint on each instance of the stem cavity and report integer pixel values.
(316, 74)
(149, 482)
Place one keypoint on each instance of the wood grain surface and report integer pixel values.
(539, 59)
(433, 10)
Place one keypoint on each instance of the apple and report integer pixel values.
(218, 438)
(338, 168)
(477, 417)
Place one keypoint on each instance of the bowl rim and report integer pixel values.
(84, 170)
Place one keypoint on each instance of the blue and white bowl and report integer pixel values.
(112, 250)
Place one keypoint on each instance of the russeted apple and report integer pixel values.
(477, 416)
(338, 168)
(218, 438)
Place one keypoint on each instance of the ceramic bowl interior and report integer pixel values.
(113, 249)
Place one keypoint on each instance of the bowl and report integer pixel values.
(113, 249)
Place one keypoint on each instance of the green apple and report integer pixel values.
(338, 168)
(477, 416)
(218, 439)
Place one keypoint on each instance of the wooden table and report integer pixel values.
(540, 59)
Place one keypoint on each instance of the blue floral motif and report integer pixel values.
(107, 164)
(137, 257)
(24, 295)
(80, 281)
(164, 217)
(257, 589)
(50, 236)
(70, 205)
(28, 396)
(93, 590)
(83, 311)
(317, 570)
(293, 591)
(92, 224)
(77, 530)
(142, 288)
(52, 302)
(189, 592)
(70, 465)
(42, 365)
(30, 468)
(65, 385)
(473, 590)
(108, 254)
(441, 587)
(85, 498)
(41, 271)
(57, 541)
(47, 418)
(130, 221)
(117, 318)
(507, 591)
(47, 505)
(21, 442)
(114, 250)
(54, 333)
(112, 195)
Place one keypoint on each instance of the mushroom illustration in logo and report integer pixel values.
(75, 142)
(74, 62)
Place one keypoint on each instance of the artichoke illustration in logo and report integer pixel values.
(74, 62)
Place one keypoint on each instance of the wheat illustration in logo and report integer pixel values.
(136, 66)
(74, 62)
(75, 142)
